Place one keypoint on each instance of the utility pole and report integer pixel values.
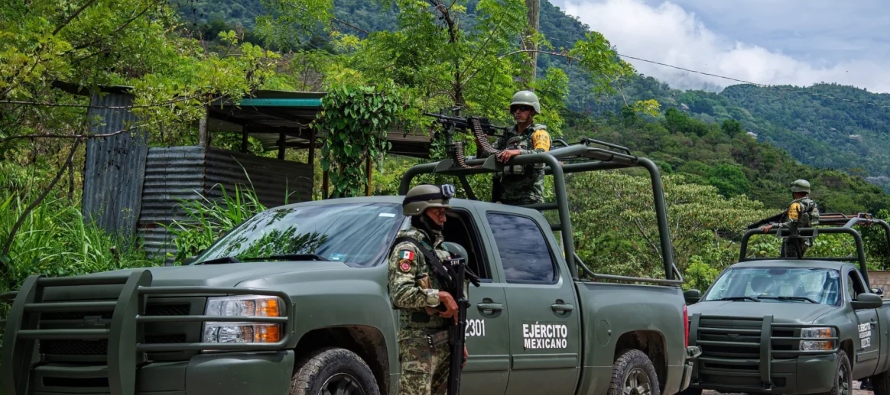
(534, 15)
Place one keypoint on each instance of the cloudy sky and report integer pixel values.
(774, 42)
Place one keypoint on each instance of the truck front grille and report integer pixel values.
(98, 347)
(739, 352)
(96, 350)
(726, 343)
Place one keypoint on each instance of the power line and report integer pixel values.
(777, 87)
(690, 70)
(790, 88)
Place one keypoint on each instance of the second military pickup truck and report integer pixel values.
(295, 301)
(794, 326)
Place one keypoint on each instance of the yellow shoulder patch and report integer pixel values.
(794, 211)
(541, 140)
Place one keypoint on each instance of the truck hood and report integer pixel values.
(228, 274)
(786, 312)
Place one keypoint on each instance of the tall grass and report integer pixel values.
(55, 239)
(209, 219)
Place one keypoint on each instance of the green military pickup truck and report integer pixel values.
(793, 326)
(295, 301)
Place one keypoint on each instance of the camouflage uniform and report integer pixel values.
(521, 185)
(797, 214)
(412, 287)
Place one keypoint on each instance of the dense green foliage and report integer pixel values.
(825, 125)
(733, 162)
(179, 57)
(356, 119)
(55, 239)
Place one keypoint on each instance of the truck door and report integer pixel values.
(487, 342)
(544, 316)
(867, 350)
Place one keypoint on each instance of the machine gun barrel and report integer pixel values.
(464, 123)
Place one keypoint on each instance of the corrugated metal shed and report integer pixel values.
(113, 167)
(177, 174)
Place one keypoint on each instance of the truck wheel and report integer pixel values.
(333, 371)
(691, 391)
(633, 374)
(843, 378)
(881, 383)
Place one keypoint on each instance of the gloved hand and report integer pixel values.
(450, 306)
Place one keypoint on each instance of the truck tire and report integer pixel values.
(881, 383)
(634, 374)
(328, 371)
(691, 391)
(843, 376)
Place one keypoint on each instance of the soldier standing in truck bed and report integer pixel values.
(522, 184)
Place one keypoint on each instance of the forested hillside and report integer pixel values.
(826, 125)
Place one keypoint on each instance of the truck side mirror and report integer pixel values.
(692, 296)
(867, 301)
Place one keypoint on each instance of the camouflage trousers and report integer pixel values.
(790, 247)
(424, 368)
(522, 189)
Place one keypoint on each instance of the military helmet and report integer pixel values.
(528, 98)
(425, 196)
(800, 186)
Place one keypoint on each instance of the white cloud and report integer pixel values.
(670, 34)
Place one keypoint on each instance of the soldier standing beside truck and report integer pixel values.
(522, 184)
(417, 291)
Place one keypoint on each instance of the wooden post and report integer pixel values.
(311, 146)
(324, 184)
(244, 139)
(368, 173)
(281, 147)
(203, 135)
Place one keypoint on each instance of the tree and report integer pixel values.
(444, 57)
(616, 230)
(90, 43)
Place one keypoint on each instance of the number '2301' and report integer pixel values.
(475, 328)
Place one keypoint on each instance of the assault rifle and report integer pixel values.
(766, 221)
(457, 332)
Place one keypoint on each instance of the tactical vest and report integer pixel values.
(809, 212)
(418, 318)
(523, 142)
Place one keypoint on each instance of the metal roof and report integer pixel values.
(265, 115)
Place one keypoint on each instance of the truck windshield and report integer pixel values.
(357, 234)
(777, 284)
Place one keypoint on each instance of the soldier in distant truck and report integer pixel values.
(803, 212)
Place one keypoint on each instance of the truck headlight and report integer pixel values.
(242, 332)
(817, 333)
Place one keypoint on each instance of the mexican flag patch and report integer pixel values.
(406, 254)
